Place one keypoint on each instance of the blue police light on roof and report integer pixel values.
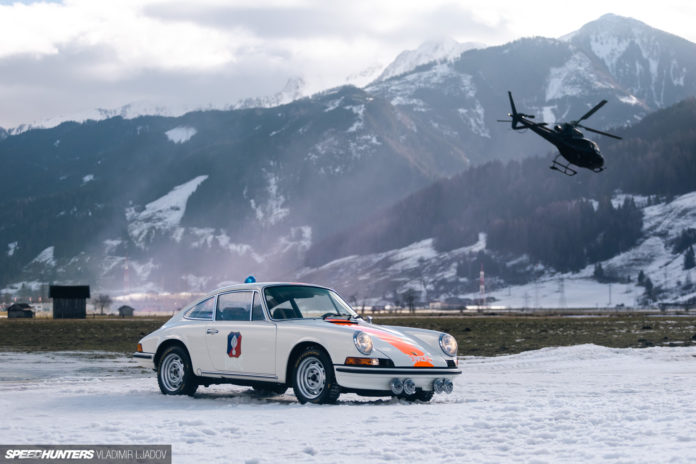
(250, 280)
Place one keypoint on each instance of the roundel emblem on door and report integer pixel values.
(234, 344)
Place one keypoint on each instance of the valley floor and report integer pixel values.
(581, 403)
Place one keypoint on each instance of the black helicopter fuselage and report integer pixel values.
(570, 142)
(572, 145)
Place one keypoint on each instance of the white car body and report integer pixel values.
(262, 351)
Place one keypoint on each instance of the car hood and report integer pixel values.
(404, 350)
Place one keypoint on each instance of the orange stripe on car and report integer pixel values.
(419, 358)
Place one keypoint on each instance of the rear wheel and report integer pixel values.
(174, 373)
(313, 378)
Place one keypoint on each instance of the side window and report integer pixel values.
(235, 306)
(257, 309)
(203, 310)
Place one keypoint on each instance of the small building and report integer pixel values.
(69, 301)
(20, 311)
(125, 311)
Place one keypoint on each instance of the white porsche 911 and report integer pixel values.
(271, 336)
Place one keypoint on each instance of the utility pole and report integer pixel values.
(482, 289)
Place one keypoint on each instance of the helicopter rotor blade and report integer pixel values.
(600, 132)
(591, 112)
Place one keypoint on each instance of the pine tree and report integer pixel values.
(689, 258)
(598, 272)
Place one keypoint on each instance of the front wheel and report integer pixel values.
(313, 378)
(174, 373)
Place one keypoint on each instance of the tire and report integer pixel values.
(269, 390)
(174, 373)
(420, 395)
(313, 379)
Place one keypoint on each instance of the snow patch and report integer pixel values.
(111, 245)
(161, 215)
(573, 78)
(46, 257)
(359, 110)
(630, 100)
(271, 211)
(333, 104)
(11, 248)
(475, 119)
(181, 134)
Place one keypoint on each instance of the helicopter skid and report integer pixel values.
(562, 168)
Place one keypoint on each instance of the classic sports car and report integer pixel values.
(274, 335)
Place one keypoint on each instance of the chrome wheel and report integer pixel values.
(311, 377)
(172, 372)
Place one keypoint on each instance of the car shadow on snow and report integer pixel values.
(253, 397)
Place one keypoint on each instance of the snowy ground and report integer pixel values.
(576, 404)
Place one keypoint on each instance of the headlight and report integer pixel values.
(363, 342)
(448, 344)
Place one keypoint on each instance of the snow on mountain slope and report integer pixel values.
(161, 215)
(574, 78)
(433, 275)
(653, 255)
(446, 49)
(181, 134)
(293, 89)
(653, 65)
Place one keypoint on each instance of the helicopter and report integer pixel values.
(571, 143)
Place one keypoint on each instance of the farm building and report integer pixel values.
(20, 311)
(69, 302)
(125, 311)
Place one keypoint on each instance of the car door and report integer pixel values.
(193, 332)
(241, 340)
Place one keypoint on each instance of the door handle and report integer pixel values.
(211, 331)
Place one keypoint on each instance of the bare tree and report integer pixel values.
(423, 278)
(409, 298)
(103, 301)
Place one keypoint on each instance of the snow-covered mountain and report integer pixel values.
(208, 196)
(293, 89)
(445, 49)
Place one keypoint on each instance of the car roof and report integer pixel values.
(259, 286)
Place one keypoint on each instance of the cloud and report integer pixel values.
(74, 55)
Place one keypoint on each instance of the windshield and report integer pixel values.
(302, 302)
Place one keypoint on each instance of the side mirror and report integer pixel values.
(369, 319)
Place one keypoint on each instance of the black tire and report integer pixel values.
(313, 379)
(269, 389)
(420, 395)
(175, 374)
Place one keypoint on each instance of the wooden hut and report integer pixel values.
(125, 311)
(69, 301)
(20, 311)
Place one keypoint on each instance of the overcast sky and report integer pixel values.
(65, 57)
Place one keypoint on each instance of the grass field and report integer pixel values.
(477, 336)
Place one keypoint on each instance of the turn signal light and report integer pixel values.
(362, 361)
(140, 348)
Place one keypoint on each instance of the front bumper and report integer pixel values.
(146, 360)
(378, 378)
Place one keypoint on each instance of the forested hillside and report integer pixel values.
(563, 222)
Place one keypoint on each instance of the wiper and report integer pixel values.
(326, 315)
